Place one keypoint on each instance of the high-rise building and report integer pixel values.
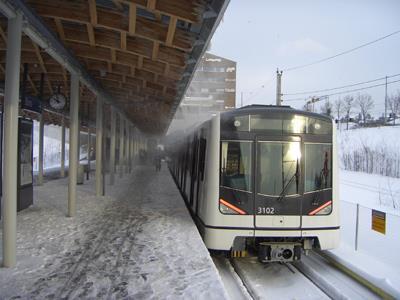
(212, 89)
(213, 86)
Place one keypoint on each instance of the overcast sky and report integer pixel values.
(262, 35)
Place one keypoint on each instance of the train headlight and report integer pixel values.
(236, 123)
(326, 210)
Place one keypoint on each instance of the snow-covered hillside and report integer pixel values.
(371, 150)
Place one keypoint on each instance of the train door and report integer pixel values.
(277, 201)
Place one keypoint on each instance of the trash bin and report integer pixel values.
(81, 170)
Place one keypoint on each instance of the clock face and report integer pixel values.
(57, 101)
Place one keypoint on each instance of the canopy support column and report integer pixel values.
(11, 98)
(112, 146)
(99, 147)
(41, 146)
(121, 146)
(62, 169)
(73, 144)
(88, 151)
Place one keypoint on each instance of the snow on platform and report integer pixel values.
(138, 242)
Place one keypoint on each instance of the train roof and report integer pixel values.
(264, 109)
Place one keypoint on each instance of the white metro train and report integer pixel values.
(261, 177)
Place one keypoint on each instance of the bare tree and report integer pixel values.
(348, 103)
(394, 105)
(365, 102)
(326, 108)
(338, 108)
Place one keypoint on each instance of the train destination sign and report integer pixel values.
(378, 221)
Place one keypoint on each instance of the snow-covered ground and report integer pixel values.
(138, 242)
(376, 255)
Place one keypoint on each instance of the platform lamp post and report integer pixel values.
(11, 97)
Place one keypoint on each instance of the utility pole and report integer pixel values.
(241, 99)
(278, 88)
(385, 101)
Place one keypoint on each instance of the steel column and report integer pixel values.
(126, 157)
(99, 146)
(41, 144)
(112, 146)
(62, 169)
(73, 144)
(121, 146)
(11, 97)
(88, 148)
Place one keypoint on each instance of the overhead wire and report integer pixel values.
(339, 87)
(341, 53)
(344, 92)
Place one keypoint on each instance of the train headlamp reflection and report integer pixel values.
(298, 124)
(294, 151)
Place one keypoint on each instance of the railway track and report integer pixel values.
(312, 278)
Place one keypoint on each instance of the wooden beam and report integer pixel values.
(93, 12)
(132, 71)
(151, 4)
(60, 29)
(3, 35)
(113, 56)
(158, 16)
(118, 5)
(109, 66)
(132, 18)
(90, 31)
(123, 40)
(140, 62)
(171, 31)
(166, 70)
(156, 48)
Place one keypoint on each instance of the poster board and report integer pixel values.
(25, 163)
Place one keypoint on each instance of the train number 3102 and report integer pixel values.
(266, 211)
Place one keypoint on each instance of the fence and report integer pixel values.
(379, 161)
(357, 232)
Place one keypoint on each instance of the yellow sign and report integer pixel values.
(379, 221)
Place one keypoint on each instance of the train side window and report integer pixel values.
(202, 158)
(236, 165)
(318, 167)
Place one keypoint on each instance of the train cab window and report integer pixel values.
(236, 165)
(318, 167)
(278, 168)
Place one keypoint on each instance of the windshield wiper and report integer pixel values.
(295, 175)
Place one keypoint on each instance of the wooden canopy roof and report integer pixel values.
(142, 52)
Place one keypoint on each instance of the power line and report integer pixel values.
(341, 53)
(348, 91)
(340, 87)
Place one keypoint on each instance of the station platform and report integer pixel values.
(137, 242)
